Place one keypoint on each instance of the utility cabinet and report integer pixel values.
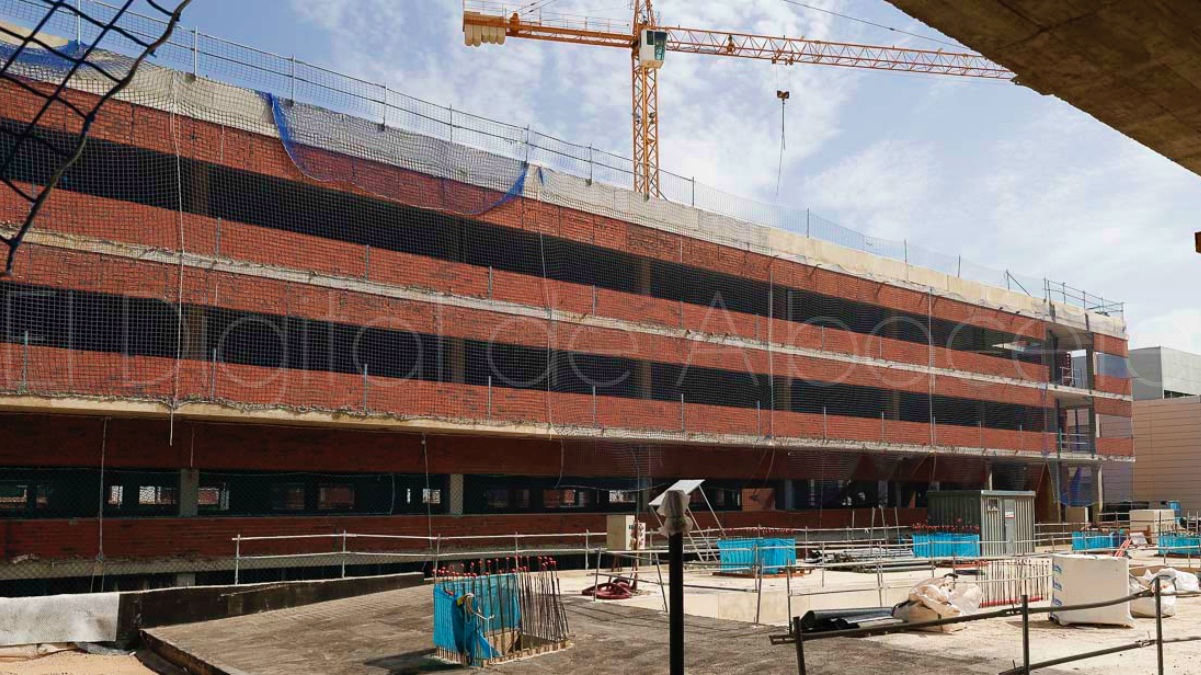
(1004, 518)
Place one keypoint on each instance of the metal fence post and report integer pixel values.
(78, 23)
(594, 403)
(683, 422)
(293, 77)
(1026, 634)
(880, 584)
(489, 397)
(343, 553)
(587, 540)
(825, 425)
(237, 557)
(366, 387)
(385, 86)
(195, 53)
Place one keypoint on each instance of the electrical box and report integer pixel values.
(625, 533)
(652, 47)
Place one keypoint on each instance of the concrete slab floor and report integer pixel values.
(390, 633)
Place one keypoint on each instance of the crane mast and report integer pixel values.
(489, 22)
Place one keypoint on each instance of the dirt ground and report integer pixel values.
(76, 663)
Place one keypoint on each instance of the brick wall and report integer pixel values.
(150, 128)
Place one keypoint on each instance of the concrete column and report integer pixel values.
(189, 492)
(788, 499)
(1098, 491)
(185, 579)
(455, 499)
(988, 476)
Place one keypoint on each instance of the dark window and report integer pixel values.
(335, 497)
(14, 496)
(567, 498)
(287, 497)
(213, 497)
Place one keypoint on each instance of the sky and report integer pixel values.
(991, 171)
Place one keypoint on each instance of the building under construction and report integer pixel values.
(272, 300)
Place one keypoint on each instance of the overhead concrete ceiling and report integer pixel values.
(1133, 64)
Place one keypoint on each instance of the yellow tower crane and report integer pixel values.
(490, 22)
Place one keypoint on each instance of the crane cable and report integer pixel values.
(783, 96)
(872, 23)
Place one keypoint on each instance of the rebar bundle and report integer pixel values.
(499, 609)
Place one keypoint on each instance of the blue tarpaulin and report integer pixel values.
(1096, 541)
(769, 555)
(946, 545)
(467, 611)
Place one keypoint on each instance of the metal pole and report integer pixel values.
(596, 576)
(1026, 634)
(662, 586)
(800, 645)
(683, 422)
(788, 591)
(489, 397)
(365, 387)
(758, 585)
(293, 78)
(385, 85)
(587, 537)
(213, 377)
(675, 572)
(1159, 624)
(195, 53)
(78, 23)
(237, 557)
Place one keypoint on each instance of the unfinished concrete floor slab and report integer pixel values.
(389, 634)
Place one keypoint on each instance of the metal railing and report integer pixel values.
(203, 55)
